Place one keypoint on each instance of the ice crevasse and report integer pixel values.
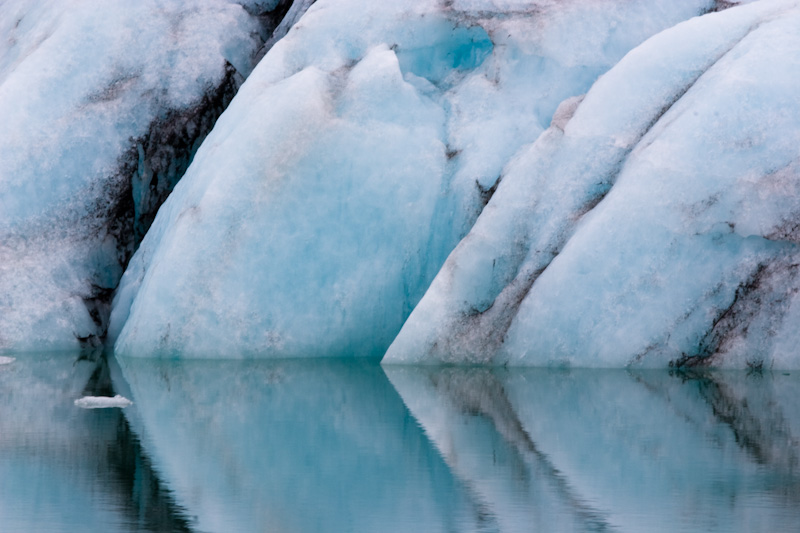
(356, 156)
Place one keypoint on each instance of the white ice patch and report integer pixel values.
(102, 402)
(6, 360)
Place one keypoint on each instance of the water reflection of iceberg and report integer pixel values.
(63, 468)
(291, 446)
(614, 450)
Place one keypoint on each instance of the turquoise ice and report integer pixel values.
(651, 224)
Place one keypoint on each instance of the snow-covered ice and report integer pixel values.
(361, 149)
(102, 106)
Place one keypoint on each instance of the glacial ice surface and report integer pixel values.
(654, 223)
(101, 105)
(357, 154)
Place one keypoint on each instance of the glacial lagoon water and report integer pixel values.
(346, 445)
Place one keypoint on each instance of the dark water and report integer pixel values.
(296, 446)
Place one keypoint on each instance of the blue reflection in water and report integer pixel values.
(292, 446)
(616, 450)
(336, 446)
(66, 469)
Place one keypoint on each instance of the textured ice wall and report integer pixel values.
(355, 157)
(103, 105)
(653, 223)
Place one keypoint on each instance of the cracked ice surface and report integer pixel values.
(658, 221)
(350, 164)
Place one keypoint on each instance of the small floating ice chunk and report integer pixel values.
(102, 402)
(6, 360)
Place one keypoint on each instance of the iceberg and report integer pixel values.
(654, 223)
(359, 152)
(103, 106)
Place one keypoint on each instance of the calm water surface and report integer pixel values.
(297, 446)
